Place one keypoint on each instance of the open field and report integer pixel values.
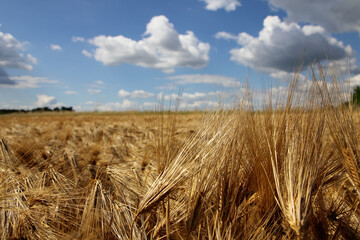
(291, 171)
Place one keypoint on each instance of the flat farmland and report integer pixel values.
(234, 174)
(129, 136)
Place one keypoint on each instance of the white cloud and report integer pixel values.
(32, 59)
(168, 97)
(97, 85)
(189, 101)
(191, 97)
(199, 105)
(286, 76)
(141, 94)
(355, 80)
(149, 105)
(119, 106)
(242, 38)
(345, 65)
(228, 5)
(135, 94)
(71, 92)
(56, 47)
(195, 96)
(161, 48)
(99, 82)
(200, 96)
(78, 39)
(281, 46)
(9, 56)
(45, 100)
(123, 93)
(208, 100)
(92, 91)
(27, 82)
(205, 78)
(333, 15)
(225, 35)
(87, 53)
(203, 100)
(160, 95)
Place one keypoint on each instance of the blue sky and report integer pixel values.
(116, 55)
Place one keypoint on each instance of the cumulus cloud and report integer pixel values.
(192, 97)
(199, 105)
(150, 106)
(355, 80)
(189, 101)
(92, 91)
(228, 5)
(287, 76)
(87, 53)
(97, 85)
(333, 15)
(45, 100)
(241, 38)
(32, 59)
(225, 35)
(4, 78)
(281, 46)
(27, 82)
(78, 39)
(206, 79)
(123, 93)
(116, 106)
(200, 96)
(345, 65)
(141, 94)
(11, 57)
(162, 47)
(9, 53)
(99, 82)
(200, 100)
(135, 94)
(71, 92)
(56, 47)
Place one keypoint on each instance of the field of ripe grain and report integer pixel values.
(289, 171)
(97, 138)
(66, 176)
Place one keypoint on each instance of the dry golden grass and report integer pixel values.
(291, 171)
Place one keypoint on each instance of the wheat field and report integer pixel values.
(290, 170)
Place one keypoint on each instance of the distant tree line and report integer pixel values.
(39, 109)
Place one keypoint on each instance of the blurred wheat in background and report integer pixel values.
(288, 168)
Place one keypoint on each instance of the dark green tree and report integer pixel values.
(356, 96)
